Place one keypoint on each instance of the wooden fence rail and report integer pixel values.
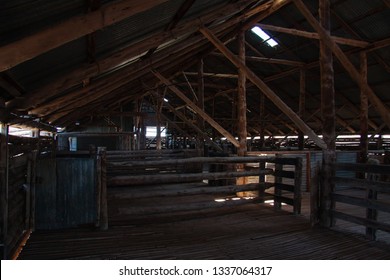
(373, 190)
(134, 177)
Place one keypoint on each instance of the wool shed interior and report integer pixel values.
(195, 129)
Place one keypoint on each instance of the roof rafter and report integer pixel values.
(384, 112)
(199, 111)
(264, 88)
(312, 35)
(87, 71)
(74, 28)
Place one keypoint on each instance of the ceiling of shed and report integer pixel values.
(98, 73)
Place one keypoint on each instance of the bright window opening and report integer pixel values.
(151, 131)
(21, 132)
(263, 35)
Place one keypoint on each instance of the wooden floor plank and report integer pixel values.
(250, 232)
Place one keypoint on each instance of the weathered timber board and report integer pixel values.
(248, 232)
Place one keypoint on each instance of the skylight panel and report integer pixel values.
(264, 36)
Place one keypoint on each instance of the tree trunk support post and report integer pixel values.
(328, 118)
(102, 209)
(302, 93)
(264, 88)
(241, 106)
(363, 111)
(200, 95)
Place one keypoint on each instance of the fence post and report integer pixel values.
(297, 186)
(371, 214)
(101, 170)
(4, 189)
(314, 196)
(278, 180)
(34, 158)
(262, 165)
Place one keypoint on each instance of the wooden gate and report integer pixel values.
(65, 193)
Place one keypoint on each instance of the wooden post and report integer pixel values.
(363, 111)
(278, 180)
(194, 107)
(328, 117)
(241, 106)
(308, 171)
(4, 188)
(371, 214)
(241, 100)
(302, 99)
(262, 166)
(262, 121)
(98, 186)
(314, 196)
(34, 158)
(297, 186)
(181, 116)
(143, 134)
(200, 120)
(160, 101)
(264, 88)
(103, 221)
(347, 64)
(28, 193)
(138, 124)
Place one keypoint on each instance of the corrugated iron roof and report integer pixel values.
(367, 19)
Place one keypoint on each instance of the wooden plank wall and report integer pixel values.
(66, 192)
(20, 194)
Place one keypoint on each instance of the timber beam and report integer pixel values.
(347, 64)
(264, 88)
(189, 123)
(72, 29)
(313, 35)
(87, 71)
(269, 60)
(198, 110)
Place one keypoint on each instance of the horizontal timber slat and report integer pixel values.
(177, 178)
(165, 162)
(152, 152)
(285, 174)
(360, 221)
(361, 167)
(285, 161)
(372, 204)
(187, 207)
(284, 187)
(191, 191)
(283, 199)
(363, 184)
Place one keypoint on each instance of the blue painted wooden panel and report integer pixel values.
(66, 195)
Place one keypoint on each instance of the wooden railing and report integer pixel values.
(293, 190)
(17, 184)
(374, 197)
(133, 170)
